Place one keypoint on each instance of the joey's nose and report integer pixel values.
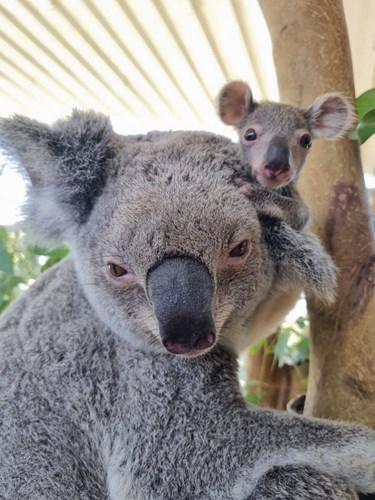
(181, 291)
(277, 157)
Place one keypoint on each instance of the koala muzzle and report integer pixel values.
(277, 157)
(181, 291)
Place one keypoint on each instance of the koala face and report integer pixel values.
(275, 138)
(166, 248)
(174, 211)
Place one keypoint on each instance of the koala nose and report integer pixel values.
(181, 291)
(204, 341)
(277, 157)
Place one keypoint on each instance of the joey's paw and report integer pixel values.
(245, 187)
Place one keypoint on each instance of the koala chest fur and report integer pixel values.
(118, 366)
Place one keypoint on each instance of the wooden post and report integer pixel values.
(312, 56)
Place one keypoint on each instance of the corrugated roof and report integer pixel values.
(149, 64)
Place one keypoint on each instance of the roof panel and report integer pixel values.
(147, 63)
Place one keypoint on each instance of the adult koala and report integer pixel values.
(118, 367)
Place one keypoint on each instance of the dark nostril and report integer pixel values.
(206, 340)
(176, 346)
(277, 168)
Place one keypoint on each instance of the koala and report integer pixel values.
(275, 140)
(118, 365)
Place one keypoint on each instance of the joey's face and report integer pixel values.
(174, 249)
(275, 141)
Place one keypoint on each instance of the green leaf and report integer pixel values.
(255, 398)
(366, 115)
(364, 132)
(8, 285)
(6, 261)
(369, 118)
(353, 135)
(37, 250)
(366, 126)
(8, 282)
(280, 347)
(299, 352)
(365, 103)
(305, 382)
(55, 256)
(254, 348)
(301, 322)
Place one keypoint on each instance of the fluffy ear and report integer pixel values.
(67, 164)
(330, 116)
(235, 101)
(300, 259)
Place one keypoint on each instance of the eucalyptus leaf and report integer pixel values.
(8, 282)
(280, 347)
(353, 135)
(255, 398)
(368, 119)
(254, 348)
(365, 103)
(364, 132)
(6, 261)
(55, 256)
(301, 322)
(20, 264)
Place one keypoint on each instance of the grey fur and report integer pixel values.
(330, 116)
(91, 405)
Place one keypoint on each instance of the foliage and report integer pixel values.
(254, 393)
(366, 117)
(21, 264)
(293, 344)
(291, 347)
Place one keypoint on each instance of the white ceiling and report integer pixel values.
(149, 64)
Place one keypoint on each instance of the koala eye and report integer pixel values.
(305, 141)
(119, 274)
(250, 135)
(116, 270)
(240, 250)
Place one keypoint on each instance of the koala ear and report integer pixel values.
(300, 259)
(330, 116)
(67, 165)
(235, 101)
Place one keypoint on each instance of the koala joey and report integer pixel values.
(276, 138)
(117, 366)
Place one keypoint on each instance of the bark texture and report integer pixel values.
(312, 56)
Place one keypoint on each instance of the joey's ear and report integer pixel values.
(299, 259)
(67, 163)
(235, 101)
(330, 116)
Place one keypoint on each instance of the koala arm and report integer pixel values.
(301, 264)
(302, 482)
(318, 454)
(285, 203)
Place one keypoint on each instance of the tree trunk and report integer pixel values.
(312, 56)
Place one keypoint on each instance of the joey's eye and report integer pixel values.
(305, 141)
(250, 135)
(240, 250)
(116, 270)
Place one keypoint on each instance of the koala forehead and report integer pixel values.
(175, 197)
(278, 118)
